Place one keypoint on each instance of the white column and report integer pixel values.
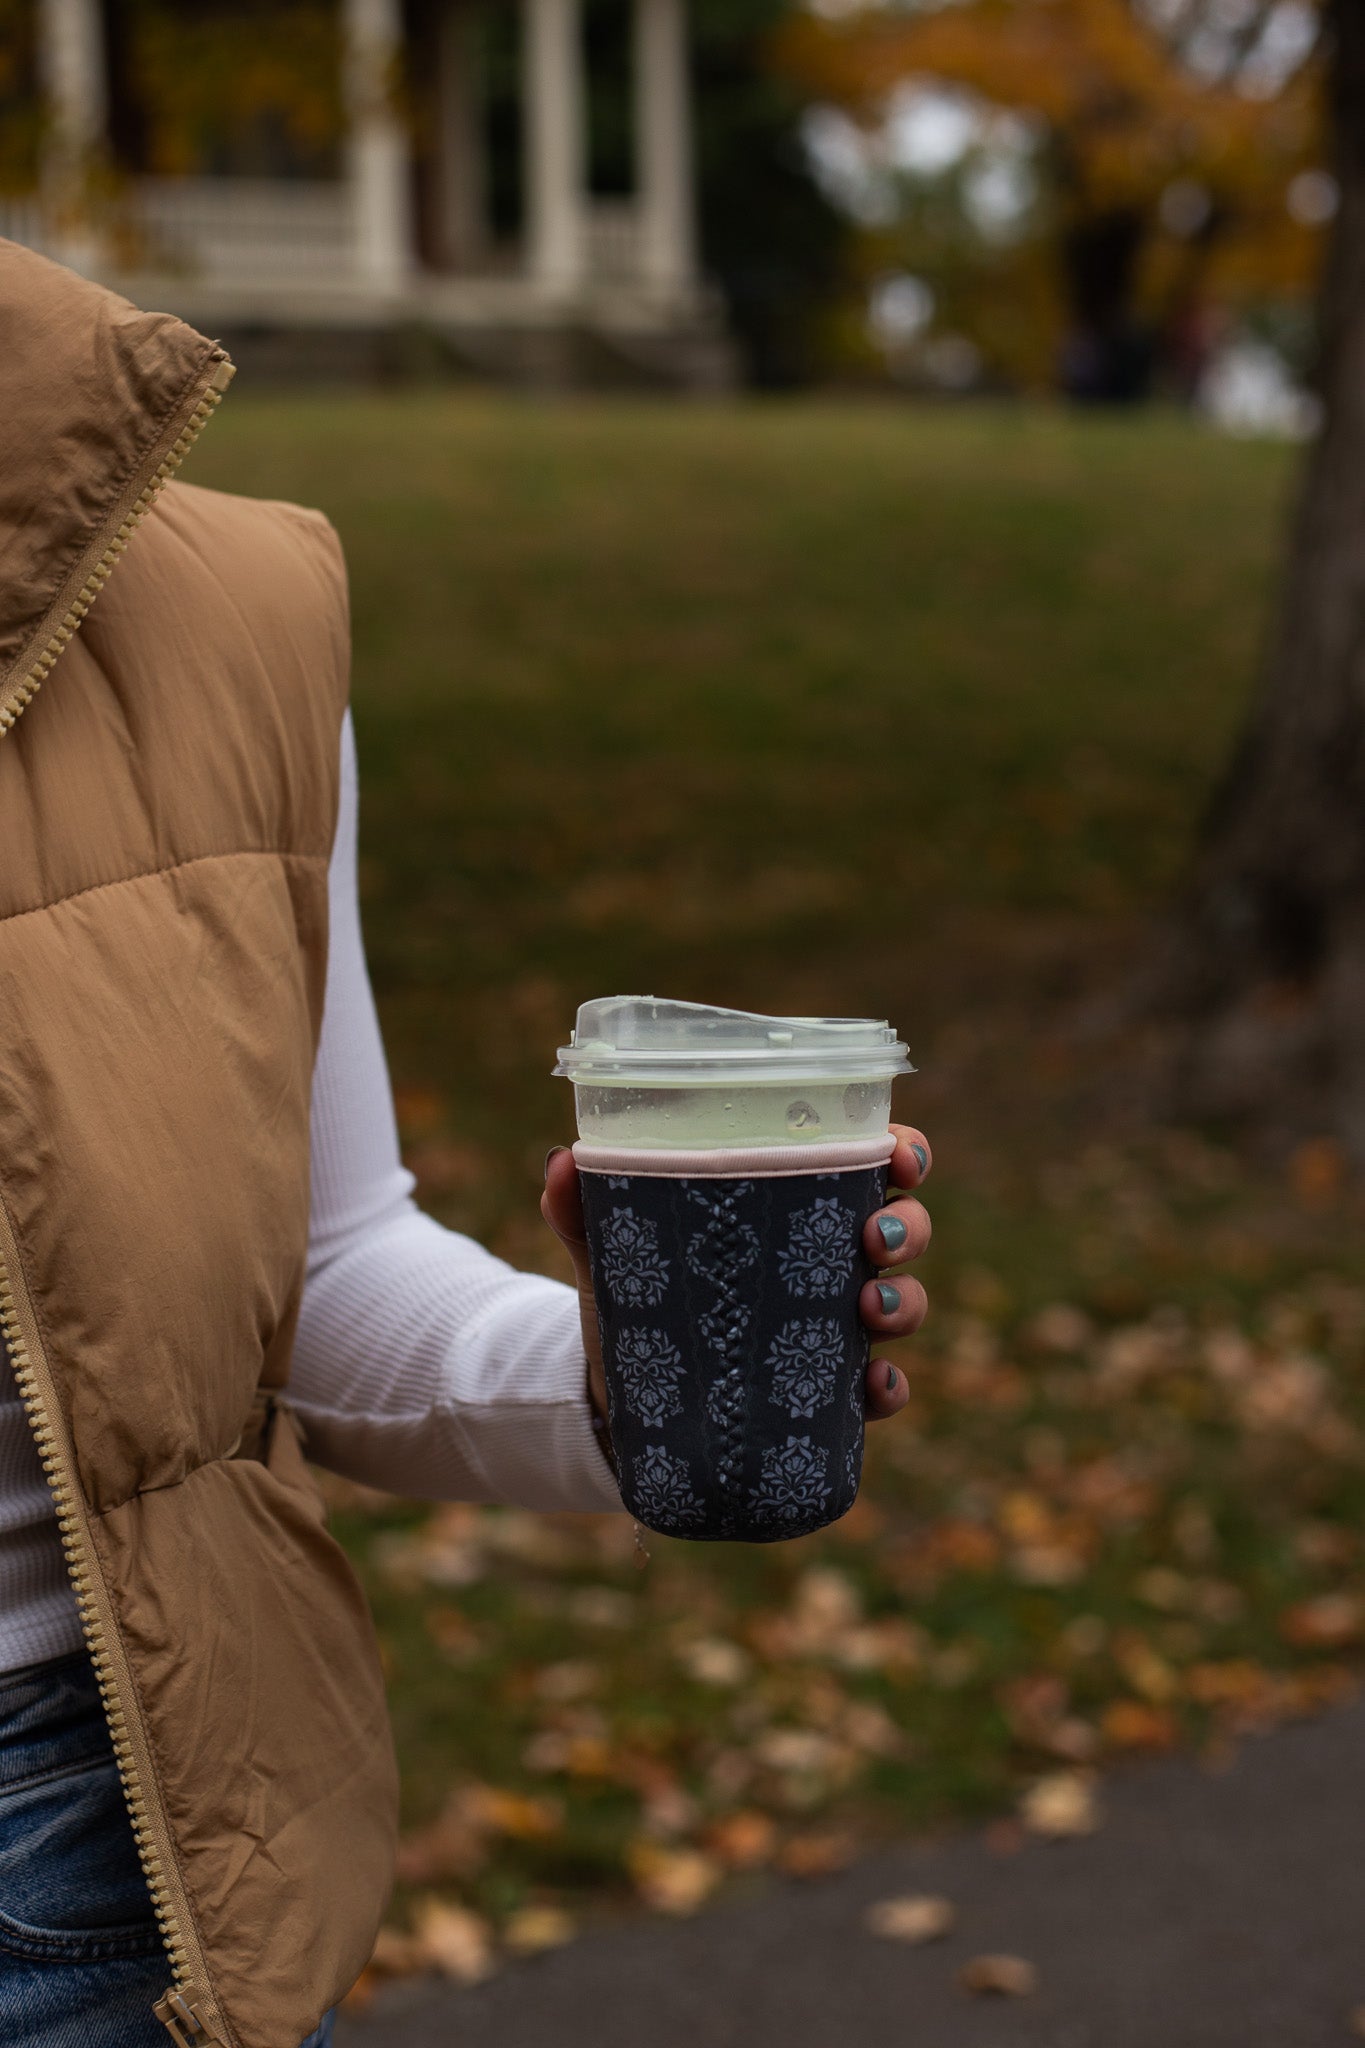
(555, 114)
(378, 166)
(71, 57)
(663, 144)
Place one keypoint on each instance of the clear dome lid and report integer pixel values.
(654, 1041)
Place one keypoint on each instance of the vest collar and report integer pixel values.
(99, 404)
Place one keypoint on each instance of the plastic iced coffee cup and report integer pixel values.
(728, 1163)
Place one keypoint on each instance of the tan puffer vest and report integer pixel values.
(167, 806)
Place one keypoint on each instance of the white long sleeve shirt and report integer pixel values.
(422, 1365)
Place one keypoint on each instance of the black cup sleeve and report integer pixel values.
(735, 1355)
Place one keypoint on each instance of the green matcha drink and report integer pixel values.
(651, 1073)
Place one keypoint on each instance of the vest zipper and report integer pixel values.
(188, 2009)
(209, 397)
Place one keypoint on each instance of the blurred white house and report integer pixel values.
(397, 237)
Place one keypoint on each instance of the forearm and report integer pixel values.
(427, 1367)
(422, 1364)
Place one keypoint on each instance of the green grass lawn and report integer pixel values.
(837, 708)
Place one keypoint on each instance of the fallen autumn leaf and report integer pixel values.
(532, 1929)
(1061, 1805)
(915, 1918)
(672, 1880)
(454, 1941)
(998, 1977)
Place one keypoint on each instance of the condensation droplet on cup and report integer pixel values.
(802, 1116)
(861, 1099)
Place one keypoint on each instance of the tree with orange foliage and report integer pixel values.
(1164, 156)
(1262, 970)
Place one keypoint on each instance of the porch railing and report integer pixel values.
(260, 231)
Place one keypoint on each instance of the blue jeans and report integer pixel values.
(81, 1957)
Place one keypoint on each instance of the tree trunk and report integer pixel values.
(1107, 353)
(1265, 964)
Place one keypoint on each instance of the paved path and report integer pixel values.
(1212, 1911)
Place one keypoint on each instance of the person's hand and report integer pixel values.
(891, 1307)
(562, 1207)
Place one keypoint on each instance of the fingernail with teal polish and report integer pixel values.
(923, 1158)
(550, 1155)
(891, 1378)
(890, 1299)
(894, 1232)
